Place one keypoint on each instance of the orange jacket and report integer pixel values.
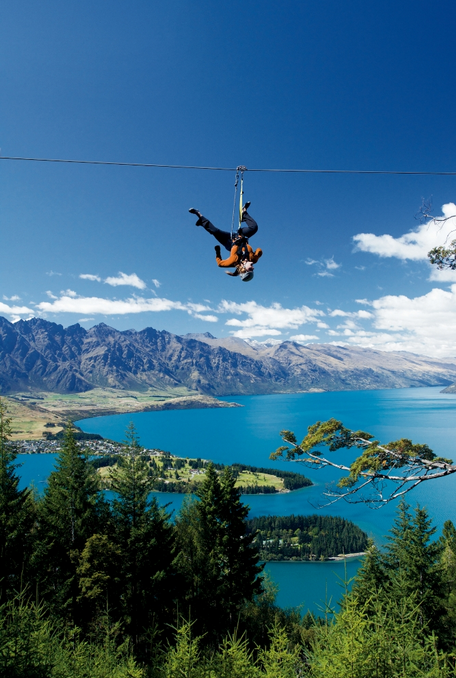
(233, 259)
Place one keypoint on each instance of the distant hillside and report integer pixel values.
(41, 355)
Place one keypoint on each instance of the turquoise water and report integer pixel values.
(250, 433)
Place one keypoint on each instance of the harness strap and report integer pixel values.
(242, 249)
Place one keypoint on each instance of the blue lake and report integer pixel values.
(250, 433)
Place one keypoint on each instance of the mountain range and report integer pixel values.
(40, 355)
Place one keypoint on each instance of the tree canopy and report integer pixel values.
(378, 475)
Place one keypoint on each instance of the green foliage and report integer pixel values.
(279, 660)
(373, 465)
(380, 641)
(98, 574)
(71, 511)
(16, 516)
(444, 257)
(32, 645)
(413, 562)
(144, 542)
(216, 558)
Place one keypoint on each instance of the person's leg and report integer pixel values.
(223, 237)
(251, 226)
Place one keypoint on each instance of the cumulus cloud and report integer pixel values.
(51, 273)
(13, 298)
(16, 312)
(209, 318)
(50, 295)
(350, 314)
(303, 338)
(413, 245)
(249, 332)
(123, 279)
(264, 320)
(89, 276)
(157, 283)
(425, 325)
(70, 302)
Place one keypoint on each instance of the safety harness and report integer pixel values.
(242, 249)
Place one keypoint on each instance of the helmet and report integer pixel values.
(248, 275)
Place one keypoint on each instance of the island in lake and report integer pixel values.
(315, 537)
(183, 475)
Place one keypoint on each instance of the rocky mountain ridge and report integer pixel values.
(40, 355)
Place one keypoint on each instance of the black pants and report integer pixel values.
(224, 237)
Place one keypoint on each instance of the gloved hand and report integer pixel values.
(217, 252)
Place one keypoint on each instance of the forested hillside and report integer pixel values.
(116, 590)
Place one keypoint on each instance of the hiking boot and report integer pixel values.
(246, 206)
(192, 210)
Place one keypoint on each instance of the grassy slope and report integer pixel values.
(31, 411)
(245, 478)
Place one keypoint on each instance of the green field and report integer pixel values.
(179, 471)
(31, 411)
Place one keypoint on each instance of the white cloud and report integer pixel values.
(13, 298)
(425, 325)
(124, 279)
(303, 338)
(413, 245)
(70, 302)
(255, 332)
(209, 318)
(447, 275)
(157, 283)
(89, 276)
(263, 320)
(98, 305)
(325, 266)
(52, 273)
(50, 295)
(331, 264)
(350, 314)
(85, 320)
(16, 311)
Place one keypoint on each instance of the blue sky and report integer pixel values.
(350, 85)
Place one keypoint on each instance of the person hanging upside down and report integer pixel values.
(242, 257)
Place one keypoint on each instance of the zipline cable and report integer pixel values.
(228, 169)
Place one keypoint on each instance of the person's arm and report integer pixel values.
(226, 263)
(254, 256)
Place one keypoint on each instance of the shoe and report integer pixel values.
(246, 206)
(218, 254)
(192, 210)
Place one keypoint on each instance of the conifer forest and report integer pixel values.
(98, 587)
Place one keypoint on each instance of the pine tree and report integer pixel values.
(16, 516)
(414, 564)
(216, 557)
(145, 539)
(72, 510)
(372, 578)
